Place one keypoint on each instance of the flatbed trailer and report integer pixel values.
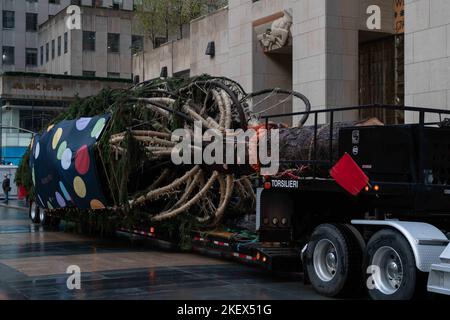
(389, 239)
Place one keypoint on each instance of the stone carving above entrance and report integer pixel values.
(278, 35)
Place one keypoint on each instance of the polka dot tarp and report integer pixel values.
(63, 165)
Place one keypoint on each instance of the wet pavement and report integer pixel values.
(34, 260)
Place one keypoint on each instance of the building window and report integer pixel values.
(59, 46)
(88, 41)
(98, 3)
(66, 42)
(137, 43)
(117, 4)
(113, 42)
(47, 52)
(42, 55)
(53, 49)
(54, 1)
(31, 57)
(88, 73)
(31, 21)
(8, 19)
(8, 55)
(32, 1)
(114, 75)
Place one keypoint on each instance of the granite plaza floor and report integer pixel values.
(34, 260)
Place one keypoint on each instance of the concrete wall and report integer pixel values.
(323, 64)
(175, 55)
(427, 54)
(20, 39)
(75, 61)
(210, 28)
(52, 88)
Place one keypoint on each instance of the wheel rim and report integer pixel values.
(325, 260)
(389, 277)
(33, 212)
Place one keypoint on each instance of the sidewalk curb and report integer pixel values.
(13, 207)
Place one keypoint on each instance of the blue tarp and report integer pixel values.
(63, 165)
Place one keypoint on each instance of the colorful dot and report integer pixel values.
(49, 205)
(56, 138)
(60, 200)
(79, 187)
(66, 159)
(37, 150)
(97, 205)
(50, 127)
(82, 123)
(64, 191)
(98, 128)
(82, 160)
(62, 147)
(33, 177)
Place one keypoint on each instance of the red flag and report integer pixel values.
(349, 175)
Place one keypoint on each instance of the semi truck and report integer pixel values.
(392, 236)
(371, 214)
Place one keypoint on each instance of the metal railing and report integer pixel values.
(314, 162)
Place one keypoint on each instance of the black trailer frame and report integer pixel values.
(332, 111)
(413, 199)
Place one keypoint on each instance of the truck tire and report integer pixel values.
(334, 261)
(391, 267)
(44, 218)
(34, 212)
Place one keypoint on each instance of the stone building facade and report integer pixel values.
(339, 52)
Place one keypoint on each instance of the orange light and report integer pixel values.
(152, 230)
(267, 185)
(367, 188)
(376, 188)
(258, 256)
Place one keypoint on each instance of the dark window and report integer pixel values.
(31, 57)
(137, 43)
(8, 55)
(42, 55)
(113, 42)
(53, 49)
(88, 41)
(54, 1)
(66, 42)
(32, 1)
(117, 4)
(32, 21)
(88, 73)
(8, 19)
(59, 46)
(113, 75)
(47, 52)
(35, 120)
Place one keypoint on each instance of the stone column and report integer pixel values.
(325, 53)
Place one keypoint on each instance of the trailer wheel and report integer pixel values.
(34, 212)
(334, 261)
(43, 217)
(391, 266)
